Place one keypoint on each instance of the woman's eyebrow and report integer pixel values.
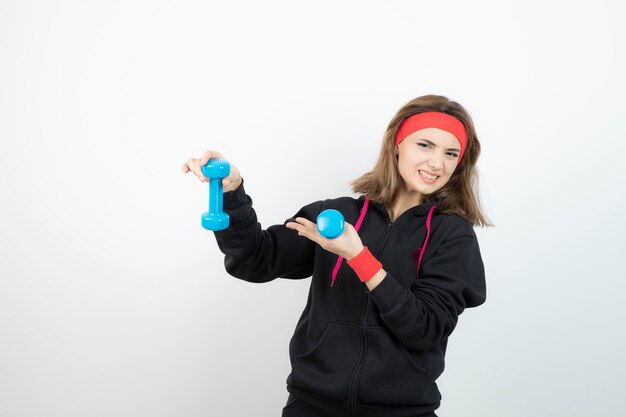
(430, 143)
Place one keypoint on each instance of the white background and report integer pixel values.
(114, 301)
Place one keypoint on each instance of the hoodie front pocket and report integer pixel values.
(326, 369)
(390, 376)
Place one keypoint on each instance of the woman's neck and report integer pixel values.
(402, 204)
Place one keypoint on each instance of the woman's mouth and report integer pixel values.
(430, 179)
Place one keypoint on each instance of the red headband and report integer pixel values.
(435, 119)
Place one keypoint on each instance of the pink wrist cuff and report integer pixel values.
(365, 265)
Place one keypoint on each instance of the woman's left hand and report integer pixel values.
(348, 244)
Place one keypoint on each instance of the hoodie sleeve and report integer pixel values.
(256, 255)
(450, 280)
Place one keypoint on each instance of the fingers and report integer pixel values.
(195, 167)
(195, 164)
(227, 183)
(303, 226)
(344, 245)
(209, 155)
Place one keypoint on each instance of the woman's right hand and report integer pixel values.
(195, 165)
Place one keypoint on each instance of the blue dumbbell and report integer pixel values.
(330, 223)
(216, 219)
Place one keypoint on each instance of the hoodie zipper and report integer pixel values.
(352, 386)
(355, 377)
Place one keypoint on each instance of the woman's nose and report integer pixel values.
(436, 162)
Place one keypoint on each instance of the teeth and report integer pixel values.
(430, 177)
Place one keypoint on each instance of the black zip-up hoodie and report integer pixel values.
(370, 353)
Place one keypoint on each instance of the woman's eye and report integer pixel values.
(426, 145)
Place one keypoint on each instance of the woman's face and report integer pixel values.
(427, 151)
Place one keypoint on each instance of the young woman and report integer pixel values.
(372, 338)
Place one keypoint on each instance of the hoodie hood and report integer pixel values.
(420, 210)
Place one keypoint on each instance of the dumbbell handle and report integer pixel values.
(216, 192)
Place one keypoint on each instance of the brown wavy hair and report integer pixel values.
(458, 196)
